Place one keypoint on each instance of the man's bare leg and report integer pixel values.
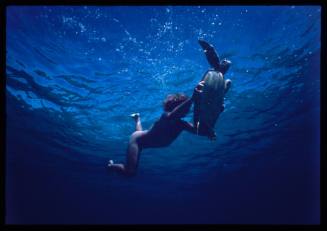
(132, 157)
(138, 125)
(133, 151)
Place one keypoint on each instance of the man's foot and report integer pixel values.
(135, 116)
(110, 163)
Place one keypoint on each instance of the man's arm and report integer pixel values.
(187, 126)
(182, 109)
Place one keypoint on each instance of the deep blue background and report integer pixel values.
(74, 74)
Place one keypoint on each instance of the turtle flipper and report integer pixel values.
(211, 55)
(228, 84)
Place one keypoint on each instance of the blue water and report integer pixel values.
(74, 74)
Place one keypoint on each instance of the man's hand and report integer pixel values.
(198, 90)
(199, 86)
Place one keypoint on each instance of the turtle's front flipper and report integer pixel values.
(211, 55)
(228, 83)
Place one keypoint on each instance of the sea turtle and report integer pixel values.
(211, 102)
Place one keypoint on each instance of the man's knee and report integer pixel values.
(132, 138)
(136, 134)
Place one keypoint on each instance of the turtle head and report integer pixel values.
(224, 66)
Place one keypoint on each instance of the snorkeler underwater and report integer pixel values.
(162, 114)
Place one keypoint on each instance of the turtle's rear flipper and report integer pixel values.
(211, 55)
(204, 130)
(212, 134)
